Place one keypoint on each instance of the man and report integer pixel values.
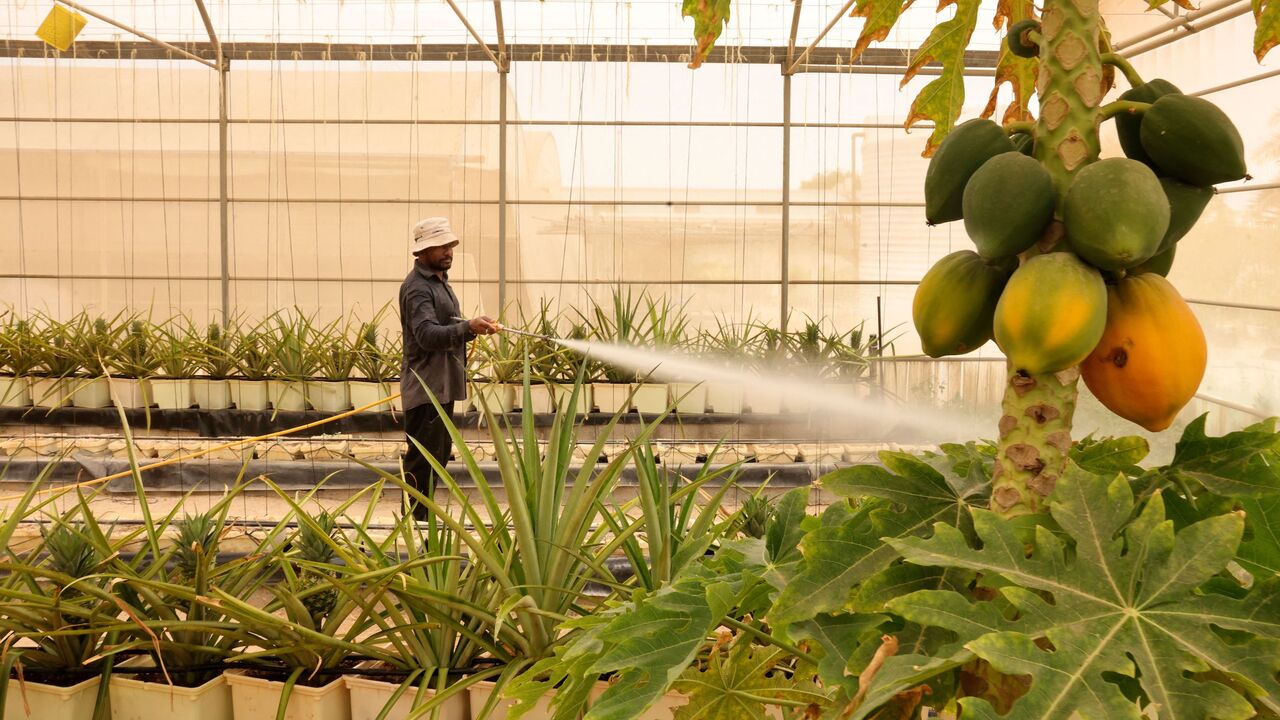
(435, 351)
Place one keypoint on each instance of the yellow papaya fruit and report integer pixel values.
(1051, 313)
(1152, 355)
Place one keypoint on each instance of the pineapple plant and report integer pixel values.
(195, 549)
(313, 548)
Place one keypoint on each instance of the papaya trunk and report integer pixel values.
(1035, 423)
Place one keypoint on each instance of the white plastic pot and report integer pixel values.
(288, 395)
(331, 396)
(496, 397)
(369, 697)
(131, 393)
(364, 392)
(38, 701)
(689, 398)
(722, 398)
(542, 398)
(611, 398)
(172, 393)
(14, 391)
(250, 394)
(211, 394)
(255, 698)
(133, 699)
(763, 401)
(480, 693)
(50, 392)
(651, 398)
(87, 392)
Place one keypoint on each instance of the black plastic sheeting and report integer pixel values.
(248, 423)
(334, 474)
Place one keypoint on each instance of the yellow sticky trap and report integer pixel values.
(61, 27)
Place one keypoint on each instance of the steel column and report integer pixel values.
(786, 202)
(502, 191)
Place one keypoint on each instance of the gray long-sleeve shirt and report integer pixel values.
(435, 345)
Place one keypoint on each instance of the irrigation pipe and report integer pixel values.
(206, 451)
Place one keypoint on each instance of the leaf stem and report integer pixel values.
(1112, 109)
(1124, 66)
(1020, 126)
(766, 637)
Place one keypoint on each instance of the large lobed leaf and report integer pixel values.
(741, 686)
(909, 496)
(1267, 34)
(1019, 72)
(1120, 605)
(1245, 463)
(940, 101)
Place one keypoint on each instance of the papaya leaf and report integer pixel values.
(1245, 463)
(1019, 72)
(741, 685)
(1110, 455)
(1184, 4)
(836, 638)
(881, 16)
(782, 537)
(709, 19)
(1122, 599)
(849, 548)
(1260, 553)
(1267, 34)
(942, 99)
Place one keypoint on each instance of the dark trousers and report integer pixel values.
(424, 424)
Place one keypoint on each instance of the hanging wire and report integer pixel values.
(17, 162)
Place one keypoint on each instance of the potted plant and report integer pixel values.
(58, 363)
(211, 390)
(294, 361)
(501, 357)
(729, 343)
(620, 323)
(373, 368)
(54, 610)
(134, 362)
(769, 351)
(177, 354)
(334, 363)
(665, 330)
(93, 342)
(250, 347)
(18, 357)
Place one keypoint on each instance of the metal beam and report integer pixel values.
(454, 201)
(791, 66)
(510, 122)
(505, 63)
(502, 193)
(897, 58)
(224, 223)
(134, 31)
(791, 38)
(883, 70)
(1235, 83)
(1206, 23)
(457, 11)
(1248, 188)
(1176, 23)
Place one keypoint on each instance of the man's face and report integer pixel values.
(438, 259)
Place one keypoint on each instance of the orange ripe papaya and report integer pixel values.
(1152, 355)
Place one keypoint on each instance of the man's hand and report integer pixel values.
(484, 325)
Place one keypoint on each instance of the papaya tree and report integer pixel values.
(1034, 576)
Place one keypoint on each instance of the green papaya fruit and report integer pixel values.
(1186, 203)
(1128, 125)
(1018, 42)
(1191, 139)
(1007, 204)
(955, 302)
(1115, 213)
(1023, 143)
(961, 153)
(1160, 263)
